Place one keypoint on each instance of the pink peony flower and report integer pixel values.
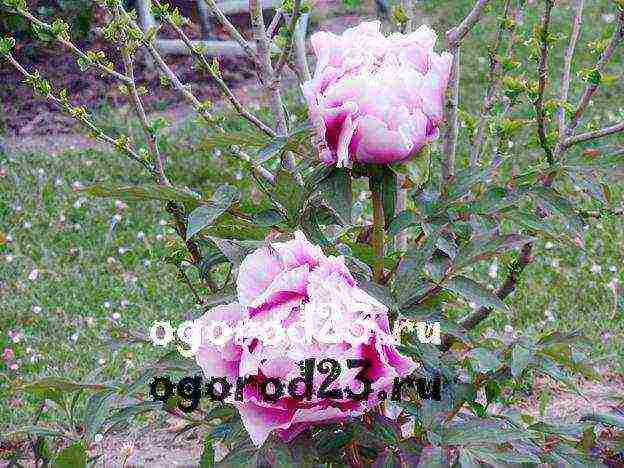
(292, 289)
(376, 99)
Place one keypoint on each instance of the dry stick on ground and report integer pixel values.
(567, 67)
(238, 106)
(591, 88)
(453, 41)
(490, 94)
(543, 77)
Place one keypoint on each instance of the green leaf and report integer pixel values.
(335, 191)
(267, 218)
(431, 457)
(141, 193)
(483, 360)
(409, 279)
(495, 199)
(37, 430)
(41, 388)
(474, 292)
(74, 456)
(466, 179)
(289, 194)
(207, 456)
(402, 221)
(485, 248)
(501, 457)
(124, 414)
(552, 202)
(97, 409)
(520, 358)
(205, 215)
(477, 434)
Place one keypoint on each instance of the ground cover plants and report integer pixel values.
(381, 134)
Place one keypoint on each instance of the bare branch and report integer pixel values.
(70, 45)
(603, 132)
(616, 40)
(543, 77)
(231, 30)
(279, 13)
(452, 104)
(294, 18)
(271, 82)
(457, 34)
(222, 85)
(493, 81)
(567, 64)
(301, 61)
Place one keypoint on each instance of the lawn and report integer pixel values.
(72, 267)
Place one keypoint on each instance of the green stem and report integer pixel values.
(375, 184)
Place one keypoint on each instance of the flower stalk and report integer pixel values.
(376, 185)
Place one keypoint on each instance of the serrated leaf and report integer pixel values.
(474, 292)
(74, 456)
(409, 280)
(205, 215)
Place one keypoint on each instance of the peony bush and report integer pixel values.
(449, 187)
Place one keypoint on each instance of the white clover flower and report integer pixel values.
(36, 309)
(34, 274)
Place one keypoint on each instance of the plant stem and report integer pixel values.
(375, 184)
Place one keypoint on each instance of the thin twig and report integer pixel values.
(603, 132)
(543, 77)
(159, 159)
(285, 54)
(378, 229)
(457, 34)
(225, 89)
(490, 94)
(567, 66)
(69, 44)
(591, 88)
(270, 81)
(84, 120)
(256, 168)
(232, 31)
(452, 129)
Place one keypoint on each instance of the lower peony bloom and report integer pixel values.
(292, 289)
(376, 99)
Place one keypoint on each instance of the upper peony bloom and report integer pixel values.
(376, 99)
(288, 287)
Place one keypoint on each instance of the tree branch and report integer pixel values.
(567, 66)
(591, 88)
(452, 129)
(543, 77)
(457, 34)
(592, 135)
(236, 104)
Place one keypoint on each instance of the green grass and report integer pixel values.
(77, 278)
